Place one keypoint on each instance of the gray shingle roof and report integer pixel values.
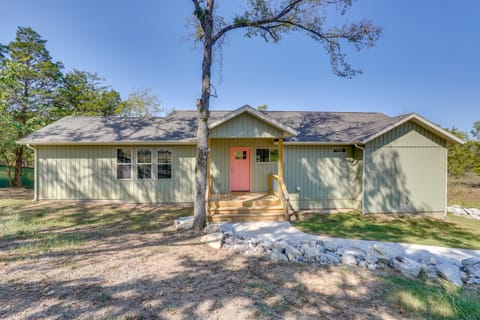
(180, 126)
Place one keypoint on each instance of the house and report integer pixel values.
(260, 163)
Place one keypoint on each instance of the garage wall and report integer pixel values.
(405, 172)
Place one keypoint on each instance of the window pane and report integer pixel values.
(144, 171)
(144, 156)
(262, 155)
(164, 167)
(124, 155)
(164, 171)
(273, 155)
(124, 171)
(164, 156)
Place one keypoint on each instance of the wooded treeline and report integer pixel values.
(465, 159)
(35, 91)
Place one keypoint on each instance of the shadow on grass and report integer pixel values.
(39, 229)
(133, 265)
(400, 228)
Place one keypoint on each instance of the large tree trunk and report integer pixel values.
(18, 167)
(203, 107)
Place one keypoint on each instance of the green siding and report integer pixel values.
(245, 126)
(220, 164)
(405, 171)
(89, 173)
(323, 179)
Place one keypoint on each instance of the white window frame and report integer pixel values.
(151, 163)
(157, 164)
(131, 164)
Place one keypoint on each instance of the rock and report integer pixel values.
(472, 266)
(266, 244)
(330, 245)
(340, 251)
(382, 254)
(183, 223)
(356, 252)
(463, 276)
(308, 244)
(474, 212)
(431, 273)
(276, 255)
(456, 210)
(450, 272)
(227, 227)
(363, 264)
(349, 260)
(430, 261)
(214, 239)
(279, 245)
(407, 267)
(328, 259)
(371, 258)
(292, 253)
(372, 266)
(381, 266)
(311, 253)
(473, 280)
(211, 228)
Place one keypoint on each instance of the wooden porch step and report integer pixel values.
(246, 217)
(248, 203)
(245, 210)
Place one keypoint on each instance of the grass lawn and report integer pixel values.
(84, 260)
(27, 177)
(453, 231)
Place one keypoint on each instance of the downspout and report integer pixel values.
(363, 176)
(35, 172)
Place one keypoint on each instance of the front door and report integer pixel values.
(239, 169)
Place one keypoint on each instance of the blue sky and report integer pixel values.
(427, 60)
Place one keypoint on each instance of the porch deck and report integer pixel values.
(245, 206)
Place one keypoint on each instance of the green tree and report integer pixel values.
(476, 130)
(28, 79)
(269, 19)
(84, 93)
(140, 103)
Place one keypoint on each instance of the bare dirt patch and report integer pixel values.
(77, 260)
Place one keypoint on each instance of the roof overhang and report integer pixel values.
(287, 130)
(105, 143)
(422, 122)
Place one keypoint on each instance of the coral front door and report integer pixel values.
(239, 169)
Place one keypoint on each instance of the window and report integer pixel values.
(240, 155)
(342, 150)
(144, 164)
(124, 163)
(266, 155)
(164, 164)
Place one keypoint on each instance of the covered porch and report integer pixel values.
(245, 168)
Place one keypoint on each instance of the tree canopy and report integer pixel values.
(34, 92)
(270, 20)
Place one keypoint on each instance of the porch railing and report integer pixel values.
(276, 186)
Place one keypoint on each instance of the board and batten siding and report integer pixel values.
(220, 164)
(90, 173)
(245, 126)
(322, 178)
(405, 172)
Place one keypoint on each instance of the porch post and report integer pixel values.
(280, 158)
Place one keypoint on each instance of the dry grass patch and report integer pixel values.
(128, 262)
